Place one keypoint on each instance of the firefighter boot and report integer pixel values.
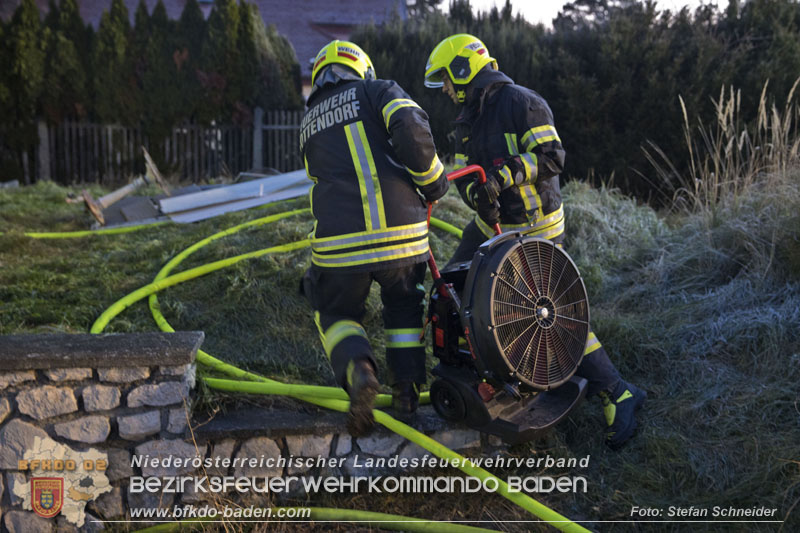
(362, 386)
(405, 398)
(619, 407)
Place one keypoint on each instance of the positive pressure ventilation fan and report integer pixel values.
(509, 352)
(536, 311)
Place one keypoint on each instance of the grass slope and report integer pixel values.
(701, 309)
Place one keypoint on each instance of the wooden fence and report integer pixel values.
(82, 152)
(280, 145)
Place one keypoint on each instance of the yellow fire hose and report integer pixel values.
(87, 233)
(329, 397)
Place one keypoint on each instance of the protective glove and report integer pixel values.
(510, 172)
(484, 198)
(485, 193)
(489, 213)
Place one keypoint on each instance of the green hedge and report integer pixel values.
(154, 74)
(612, 70)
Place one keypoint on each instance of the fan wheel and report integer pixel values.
(527, 310)
(539, 313)
(447, 401)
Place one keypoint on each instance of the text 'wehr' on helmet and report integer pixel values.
(343, 53)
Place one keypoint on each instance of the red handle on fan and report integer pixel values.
(450, 177)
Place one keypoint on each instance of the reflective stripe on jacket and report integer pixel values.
(369, 151)
(503, 120)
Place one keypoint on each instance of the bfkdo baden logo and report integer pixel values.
(47, 495)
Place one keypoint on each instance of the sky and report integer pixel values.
(544, 11)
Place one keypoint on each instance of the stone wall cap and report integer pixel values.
(31, 352)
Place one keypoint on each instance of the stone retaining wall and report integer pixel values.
(94, 398)
(102, 400)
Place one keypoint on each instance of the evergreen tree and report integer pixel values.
(23, 71)
(289, 71)
(611, 70)
(77, 32)
(66, 64)
(64, 79)
(768, 32)
(419, 8)
(254, 57)
(190, 38)
(53, 14)
(271, 79)
(218, 72)
(161, 88)
(7, 159)
(110, 62)
(137, 66)
(5, 93)
(26, 54)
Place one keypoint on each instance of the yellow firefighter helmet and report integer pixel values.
(461, 56)
(344, 53)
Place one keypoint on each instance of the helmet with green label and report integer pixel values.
(343, 53)
(460, 56)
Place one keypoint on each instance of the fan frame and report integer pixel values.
(478, 311)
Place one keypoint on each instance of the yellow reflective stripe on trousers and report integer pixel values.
(548, 227)
(547, 233)
(487, 231)
(539, 135)
(363, 238)
(371, 196)
(592, 344)
(379, 255)
(461, 161)
(551, 218)
(394, 105)
(511, 142)
(319, 328)
(531, 163)
(404, 338)
(339, 331)
(429, 176)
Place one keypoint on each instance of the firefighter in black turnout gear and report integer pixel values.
(368, 149)
(509, 131)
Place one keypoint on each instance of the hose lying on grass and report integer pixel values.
(329, 397)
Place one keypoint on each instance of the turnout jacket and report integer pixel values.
(368, 149)
(510, 126)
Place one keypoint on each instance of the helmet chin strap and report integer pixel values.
(461, 94)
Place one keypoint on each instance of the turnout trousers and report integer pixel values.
(339, 301)
(596, 366)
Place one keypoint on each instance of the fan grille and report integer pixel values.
(540, 313)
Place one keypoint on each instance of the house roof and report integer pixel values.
(307, 24)
(311, 24)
